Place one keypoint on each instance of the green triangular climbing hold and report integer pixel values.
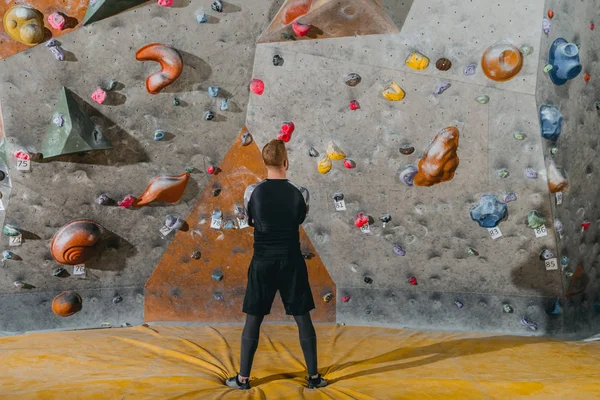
(71, 130)
(100, 9)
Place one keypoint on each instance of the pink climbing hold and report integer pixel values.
(22, 155)
(286, 131)
(585, 226)
(165, 3)
(345, 299)
(57, 21)
(361, 220)
(592, 26)
(211, 169)
(354, 105)
(257, 86)
(412, 280)
(349, 164)
(301, 29)
(99, 96)
(127, 202)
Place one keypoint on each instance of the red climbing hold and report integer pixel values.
(257, 86)
(550, 14)
(22, 155)
(592, 26)
(345, 299)
(211, 169)
(127, 201)
(361, 220)
(349, 164)
(412, 280)
(286, 131)
(585, 225)
(354, 105)
(301, 29)
(586, 77)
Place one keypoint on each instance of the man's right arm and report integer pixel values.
(247, 198)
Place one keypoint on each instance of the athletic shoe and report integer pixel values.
(234, 383)
(317, 382)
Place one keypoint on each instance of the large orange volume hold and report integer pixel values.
(164, 188)
(67, 304)
(295, 9)
(501, 62)
(171, 64)
(75, 243)
(441, 159)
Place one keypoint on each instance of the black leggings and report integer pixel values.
(251, 333)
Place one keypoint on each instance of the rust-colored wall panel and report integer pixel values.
(181, 288)
(74, 11)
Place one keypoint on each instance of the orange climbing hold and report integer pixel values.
(164, 188)
(171, 63)
(586, 77)
(501, 62)
(66, 304)
(440, 161)
(296, 9)
(550, 14)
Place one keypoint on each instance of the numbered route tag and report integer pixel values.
(79, 270)
(365, 228)
(494, 233)
(215, 223)
(340, 205)
(242, 223)
(15, 240)
(540, 232)
(165, 230)
(551, 264)
(23, 165)
(559, 198)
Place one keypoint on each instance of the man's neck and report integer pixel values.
(276, 174)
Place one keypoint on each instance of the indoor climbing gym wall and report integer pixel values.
(448, 147)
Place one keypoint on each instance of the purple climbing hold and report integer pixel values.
(58, 120)
(546, 255)
(510, 197)
(546, 25)
(399, 250)
(173, 222)
(441, 87)
(459, 304)
(470, 69)
(104, 200)
(529, 324)
(52, 43)
(531, 173)
(407, 175)
(218, 297)
(58, 52)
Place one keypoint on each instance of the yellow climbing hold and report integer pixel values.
(417, 61)
(324, 165)
(393, 92)
(334, 152)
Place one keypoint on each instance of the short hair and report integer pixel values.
(274, 153)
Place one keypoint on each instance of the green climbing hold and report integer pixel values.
(472, 252)
(287, 36)
(176, 101)
(519, 136)
(597, 104)
(535, 220)
(569, 274)
(10, 230)
(548, 68)
(189, 170)
(58, 271)
(526, 50)
(483, 99)
(503, 173)
(507, 308)
(553, 150)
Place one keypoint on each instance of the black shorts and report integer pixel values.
(267, 275)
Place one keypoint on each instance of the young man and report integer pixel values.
(276, 208)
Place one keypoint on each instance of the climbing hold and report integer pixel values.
(24, 24)
(597, 105)
(213, 91)
(592, 26)
(417, 61)
(441, 87)
(553, 150)
(176, 102)
(117, 298)
(349, 164)
(443, 64)
(7, 255)
(218, 297)
(550, 14)
(557, 182)
(406, 149)
(127, 202)
(301, 29)
(470, 69)
(67, 304)
(10, 230)
(313, 152)
(531, 173)
(99, 96)
(526, 50)
(217, 214)
(528, 324)
(368, 280)
(211, 169)
(586, 77)
(257, 86)
(110, 85)
(216, 192)
(60, 271)
(507, 308)
(555, 308)
(209, 115)
(189, 170)
(165, 3)
(217, 276)
(399, 250)
(393, 92)
(19, 284)
(217, 6)
(307, 255)
(345, 299)
(547, 68)
(159, 134)
(440, 162)
(546, 255)
(459, 304)
(246, 139)
(328, 297)
(58, 53)
(385, 218)
(171, 63)
(104, 200)
(277, 60)
(558, 226)
(338, 196)
(174, 222)
(585, 226)
(535, 219)
(58, 120)
(578, 282)
(334, 152)
(57, 21)
(519, 136)
(483, 99)
(75, 242)
(354, 105)
(361, 220)
(489, 212)
(287, 36)
(164, 188)
(224, 105)
(22, 155)
(546, 26)
(201, 18)
(551, 121)
(564, 58)
(407, 175)
(352, 79)
(472, 252)
(501, 62)
(196, 255)
(285, 134)
(413, 281)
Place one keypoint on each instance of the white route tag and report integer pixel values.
(165, 230)
(79, 269)
(365, 228)
(559, 198)
(15, 240)
(23, 165)
(494, 232)
(215, 223)
(1, 206)
(540, 232)
(339, 205)
(551, 264)
(242, 223)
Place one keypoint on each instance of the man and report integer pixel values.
(276, 208)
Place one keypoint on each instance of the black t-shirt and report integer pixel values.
(276, 208)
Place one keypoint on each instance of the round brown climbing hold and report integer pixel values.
(66, 304)
(75, 243)
(443, 64)
(407, 150)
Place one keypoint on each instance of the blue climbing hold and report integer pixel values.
(555, 309)
(213, 91)
(564, 260)
(217, 276)
(202, 18)
(224, 105)
(489, 212)
(564, 58)
(159, 135)
(551, 121)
